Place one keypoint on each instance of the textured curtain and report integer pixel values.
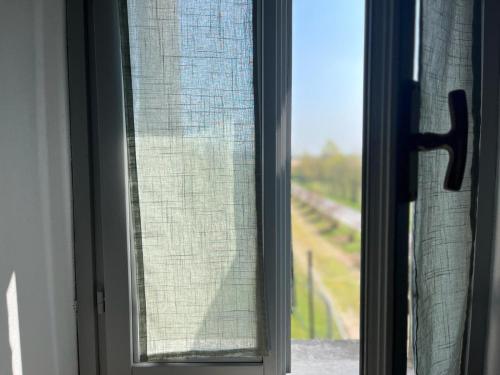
(443, 221)
(194, 178)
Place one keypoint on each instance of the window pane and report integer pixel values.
(188, 76)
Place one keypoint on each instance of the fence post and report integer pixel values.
(310, 290)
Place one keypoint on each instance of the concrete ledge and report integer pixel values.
(327, 357)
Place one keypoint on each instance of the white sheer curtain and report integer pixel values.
(194, 173)
(443, 229)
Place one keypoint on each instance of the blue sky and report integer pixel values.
(327, 74)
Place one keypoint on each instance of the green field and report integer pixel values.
(300, 316)
(336, 263)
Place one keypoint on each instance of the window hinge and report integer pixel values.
(100, 301)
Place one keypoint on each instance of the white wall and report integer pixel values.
(35, 193)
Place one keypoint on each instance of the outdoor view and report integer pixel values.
(327, 101)
(326, 224)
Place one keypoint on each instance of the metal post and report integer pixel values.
(310, 289)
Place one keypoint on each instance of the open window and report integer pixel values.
(182, 169)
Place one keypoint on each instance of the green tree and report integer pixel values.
(331, 173)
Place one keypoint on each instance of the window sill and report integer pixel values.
(326, 357)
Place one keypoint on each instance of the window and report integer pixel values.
(182, 183)
(191, 260)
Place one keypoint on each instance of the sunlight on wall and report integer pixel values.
(13, 318)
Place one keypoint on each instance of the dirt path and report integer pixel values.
(335, 272)
(334, 210)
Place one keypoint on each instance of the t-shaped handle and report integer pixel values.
(455, 141)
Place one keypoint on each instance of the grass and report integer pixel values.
(300, 316)
(340, 279)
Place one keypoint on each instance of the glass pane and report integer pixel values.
(197, 280)
(327, 113)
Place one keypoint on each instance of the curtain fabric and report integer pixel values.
(194, 176)
(443, 221)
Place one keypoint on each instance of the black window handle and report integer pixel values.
(455, 141)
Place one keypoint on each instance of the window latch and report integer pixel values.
(454, 142)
